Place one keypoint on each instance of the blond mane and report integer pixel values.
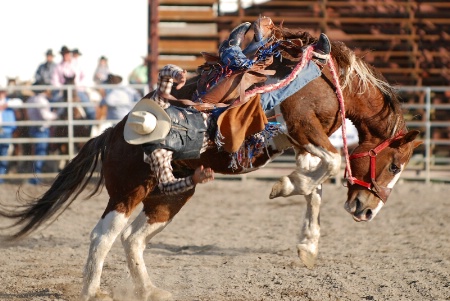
(351, 67)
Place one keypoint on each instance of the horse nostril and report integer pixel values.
(368, 214)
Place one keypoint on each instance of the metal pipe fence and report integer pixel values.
(430, 162)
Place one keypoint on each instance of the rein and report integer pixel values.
(340, 97)
(381, 192)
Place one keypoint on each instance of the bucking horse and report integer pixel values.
(346, 87)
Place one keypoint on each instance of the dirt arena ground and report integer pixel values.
(231, 242)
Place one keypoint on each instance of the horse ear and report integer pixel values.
(409, 137)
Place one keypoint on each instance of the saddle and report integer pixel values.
(218, 84)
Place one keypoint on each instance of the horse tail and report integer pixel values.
(67, 186)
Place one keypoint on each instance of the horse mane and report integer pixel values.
(355, 74)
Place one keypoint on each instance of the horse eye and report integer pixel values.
(394, 169)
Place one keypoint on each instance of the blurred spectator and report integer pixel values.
(119, 100)
(75, 56)
(6, 131)
(139, 74)
(102, 71)
(44, 114)
(45, 70)
(69, 69)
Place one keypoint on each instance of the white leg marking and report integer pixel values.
(102, 237)
(134, 240)
(309, 238)
(313, 168)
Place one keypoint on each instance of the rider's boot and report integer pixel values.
(263, 33)
(230, 52)
(322, 49)
(236, 36)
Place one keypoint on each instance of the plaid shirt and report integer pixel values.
(159, 161)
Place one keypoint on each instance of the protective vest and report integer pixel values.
(185, 137)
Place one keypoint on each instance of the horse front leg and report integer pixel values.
(159, 210)
(313, 167)
(308, 247)
(134, 241)
(102, 238)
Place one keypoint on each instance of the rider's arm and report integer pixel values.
(159, 161)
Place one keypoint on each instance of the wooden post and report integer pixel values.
(152, 43)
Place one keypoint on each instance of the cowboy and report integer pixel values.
(169, 132)
(45, 70)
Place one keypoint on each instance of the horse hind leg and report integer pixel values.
(102, 238)
(313, 168)
(134, 240)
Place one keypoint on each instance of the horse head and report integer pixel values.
(375, 170)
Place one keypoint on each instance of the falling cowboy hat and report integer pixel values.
(146, 122)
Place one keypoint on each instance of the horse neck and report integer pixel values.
(374, 118)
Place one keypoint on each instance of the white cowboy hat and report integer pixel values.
(146, 122)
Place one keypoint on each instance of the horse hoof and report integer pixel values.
(99, 296)
(283, 187)
(308, 258)
(158, 294)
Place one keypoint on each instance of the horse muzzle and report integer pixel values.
(364, 206)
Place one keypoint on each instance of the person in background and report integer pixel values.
(6, 131)
(139, 74)
(66, 69)
(45, 70)
(45, 115)
(102, 71)
(75, 55)
(119, 99)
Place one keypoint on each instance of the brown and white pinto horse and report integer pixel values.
(310, 115)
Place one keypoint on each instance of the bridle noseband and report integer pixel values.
(379, 191)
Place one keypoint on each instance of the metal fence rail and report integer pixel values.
(426, 164)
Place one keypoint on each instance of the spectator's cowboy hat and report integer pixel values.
(146, 122)
(113, 79)
(64, 50)
(49, 53)
(76, 51)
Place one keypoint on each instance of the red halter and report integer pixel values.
(380, 191)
